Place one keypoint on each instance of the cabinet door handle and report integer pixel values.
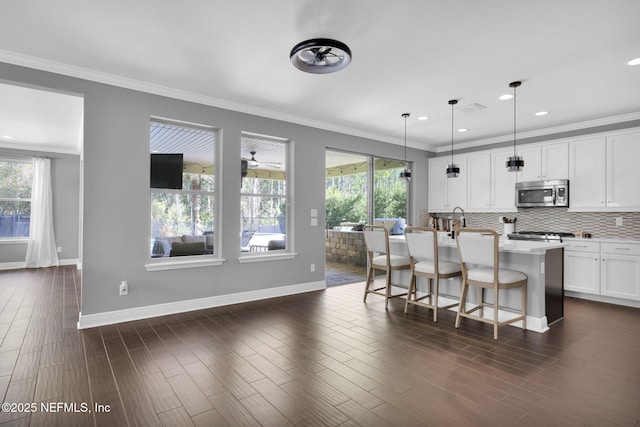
(622, 249)
(580, 246)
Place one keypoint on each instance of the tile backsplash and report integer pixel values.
(599, 224)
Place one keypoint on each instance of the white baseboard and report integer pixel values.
(603, 298)
(23, 264)
(130, 314)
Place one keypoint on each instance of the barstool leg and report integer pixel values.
(463, 301)
(412, 288)
(524, 306)
(369, 277)
(388, 293)
(435, 298)
(496, 292)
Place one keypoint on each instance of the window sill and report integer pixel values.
(266, 257)
(188, 262)
(13, 240)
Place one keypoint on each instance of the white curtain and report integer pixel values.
(41, 251)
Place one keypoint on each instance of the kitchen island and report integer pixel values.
(542, 262)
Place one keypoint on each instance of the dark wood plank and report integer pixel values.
(315, 359)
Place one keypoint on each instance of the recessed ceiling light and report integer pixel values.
(505, 97)
(463, 130)
(542, 113)
(635, 61)
(423, 118)
(7, 137)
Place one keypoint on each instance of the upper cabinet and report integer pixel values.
(447, 193)
(603, 175)
(490, 187)
(623, 173)
(544, 162)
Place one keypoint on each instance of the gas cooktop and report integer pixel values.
(539, 235)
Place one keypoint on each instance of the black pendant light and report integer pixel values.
(406, 173)
(320, 56)
(514, 163)
(453, 170)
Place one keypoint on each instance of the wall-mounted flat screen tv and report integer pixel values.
(166, 171)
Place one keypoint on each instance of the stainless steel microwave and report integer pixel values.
(552, 193)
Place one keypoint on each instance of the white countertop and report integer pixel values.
(506, 245)
(601, 240)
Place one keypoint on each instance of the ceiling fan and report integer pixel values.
(252, 163)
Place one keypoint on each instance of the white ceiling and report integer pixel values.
(408, 56)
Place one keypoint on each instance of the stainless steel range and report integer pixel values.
(540, 236)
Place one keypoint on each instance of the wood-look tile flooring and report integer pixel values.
(317, 359)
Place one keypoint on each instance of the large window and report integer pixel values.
(182, 189)
(264, 193)
(360, 188)
(16, 178)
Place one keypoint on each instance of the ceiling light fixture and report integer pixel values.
(320, 56)
(542, 113)
(453, 170)
(461, 130)
(635, 61)
(423, 118)
(406, 173)
(514, 163)
(505, 97)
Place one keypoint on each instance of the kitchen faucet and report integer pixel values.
(461, 221)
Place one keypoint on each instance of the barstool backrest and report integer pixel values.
(478, 246)
(422, 243)
(376, 237)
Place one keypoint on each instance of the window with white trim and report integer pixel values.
(264, 200)
(183, 189)
(16, 178)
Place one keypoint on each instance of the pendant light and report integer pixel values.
(406, 173)
(514, 163)
(453, 170)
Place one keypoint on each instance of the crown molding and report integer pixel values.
(544, 132)
(142, 86)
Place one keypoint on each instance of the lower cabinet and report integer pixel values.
(582, 272)
(609, 269)
(620, 273)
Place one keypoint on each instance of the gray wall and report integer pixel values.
(65, 186)
(116, 195)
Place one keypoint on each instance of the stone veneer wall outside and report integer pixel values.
(346, 247)
(599, 224)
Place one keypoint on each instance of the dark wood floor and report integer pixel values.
(322, 358)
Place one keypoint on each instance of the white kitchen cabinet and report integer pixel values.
(621, 270)
(490, 187)
(587, 174)
(447, 193)
(544, 162)
(603, 173)
(438, 184)
(503, 183)
(608, 269)
(532, 164)
(623, 173)
(582, 267)
(479, 182)
(555, 161)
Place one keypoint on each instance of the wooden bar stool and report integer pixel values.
(376, 238)
(422, 243)
(480, 247)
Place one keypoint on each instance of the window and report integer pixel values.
(264, 200)
(16, 178)
(360, 188)
(182, 189)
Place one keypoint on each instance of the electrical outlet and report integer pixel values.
(124, 288)
(619, 220)
(59, 249)
(500, 219)
(312, 268)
